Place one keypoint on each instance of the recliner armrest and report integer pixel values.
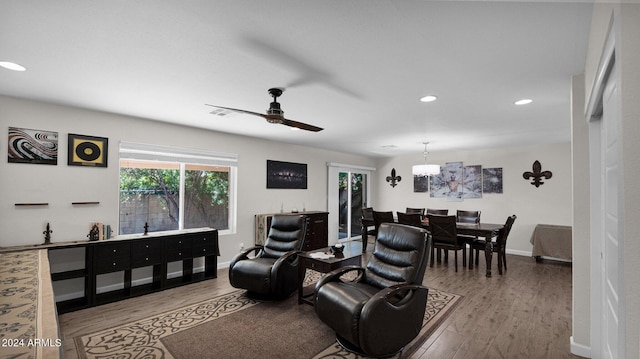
(335, 275)
(245, 255)
(290, 257)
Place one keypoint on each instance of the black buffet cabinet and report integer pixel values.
(156, 252)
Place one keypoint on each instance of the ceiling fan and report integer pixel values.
(274, 113)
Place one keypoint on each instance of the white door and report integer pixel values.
(612, 289)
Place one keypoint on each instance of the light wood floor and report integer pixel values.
(525, 313)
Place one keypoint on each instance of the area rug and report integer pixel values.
(235, 326)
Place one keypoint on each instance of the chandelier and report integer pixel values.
(425, 169)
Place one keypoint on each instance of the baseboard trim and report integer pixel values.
(580, 349)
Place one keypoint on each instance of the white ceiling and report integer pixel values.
(354, 67)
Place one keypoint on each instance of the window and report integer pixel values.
(173, 189)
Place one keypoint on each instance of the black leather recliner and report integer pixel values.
(273, 272)
(383, 308)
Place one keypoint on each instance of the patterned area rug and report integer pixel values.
(27, 314)
(18, 310)
(147, 338)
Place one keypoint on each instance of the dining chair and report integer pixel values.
(468, 216)
(499, 247)
(367, 223)
(444, 236)
(441, 212)
(411, 219)
(415, 210)
(380, 217)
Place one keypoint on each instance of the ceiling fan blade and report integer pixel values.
(239, 110)
(300, 125)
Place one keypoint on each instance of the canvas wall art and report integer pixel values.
(492, 180)
(420, 183)
(32, 146)
(286, 175)
(449, 183)
(472, 182)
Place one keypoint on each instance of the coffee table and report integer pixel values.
(323, 265)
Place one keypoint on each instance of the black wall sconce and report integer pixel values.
(537, 174)
(393, 179)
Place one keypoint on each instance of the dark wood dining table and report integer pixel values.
(486, 231)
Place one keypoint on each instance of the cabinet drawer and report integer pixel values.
(108, 265)
(176, 254)
(146, 252)
(319, 266)
(178, 242)
(113, 250)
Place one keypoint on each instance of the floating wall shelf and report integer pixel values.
(31, 204)
(74, 203)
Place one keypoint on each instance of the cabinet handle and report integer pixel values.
(147, 246)
(180, 253)
(114, 263)
(146, 259)
(114, 251)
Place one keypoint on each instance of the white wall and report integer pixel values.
(62, 184)
(550, 203)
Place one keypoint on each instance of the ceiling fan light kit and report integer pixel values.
(275, 114)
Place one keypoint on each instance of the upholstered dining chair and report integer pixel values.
(444, 236)
(273, 272)
(410, 219)
(440, 212)
(415, 210)
(382, 309)
(499, 247)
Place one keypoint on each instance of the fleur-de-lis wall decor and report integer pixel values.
(393, 179)
(537, 174)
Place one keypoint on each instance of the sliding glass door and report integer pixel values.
(352, 194)
(348, 194)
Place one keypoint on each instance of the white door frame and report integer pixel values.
(601, 254)
(333, 171)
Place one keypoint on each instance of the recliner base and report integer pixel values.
(348, 346)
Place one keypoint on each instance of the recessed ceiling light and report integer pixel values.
(12, 66)
(524, 101)
(429, 98)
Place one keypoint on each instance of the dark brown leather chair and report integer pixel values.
(499, 247)
(440, 212)
(273, 272)
(445, 236)
(382, 309)
(410, 219)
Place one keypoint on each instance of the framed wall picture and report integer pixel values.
(87, 151)
(32, 146)
(286, 175)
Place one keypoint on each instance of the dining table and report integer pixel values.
(480, 230)
(486, 231)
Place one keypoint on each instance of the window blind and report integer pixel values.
(143, 151)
